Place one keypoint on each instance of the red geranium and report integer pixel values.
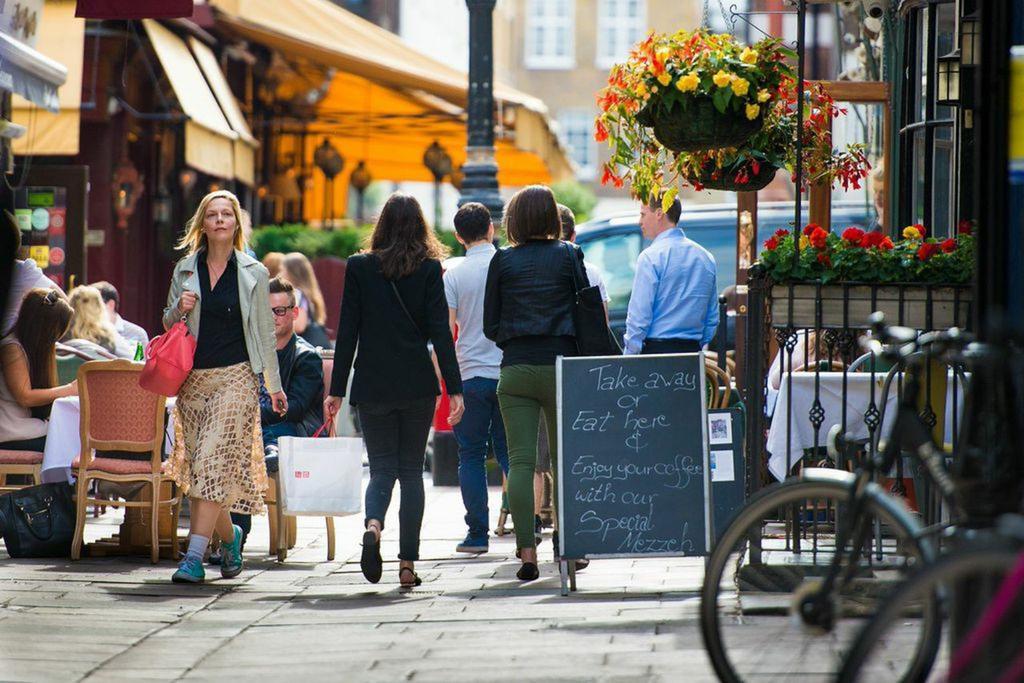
(872, 239)
(853, 236)
(819, 238)
(885, 244)
(771, 244)
(811, 227)
(823, 259)
(781, 233)
(964, 227)
(921, 229)
(927, 250)
(948, 246)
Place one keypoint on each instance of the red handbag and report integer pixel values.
(168, 361)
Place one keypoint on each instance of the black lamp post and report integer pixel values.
(480, 183)
(360, 180)
(329, 160)
(439, 162)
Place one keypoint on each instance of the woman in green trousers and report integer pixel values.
(528, 313)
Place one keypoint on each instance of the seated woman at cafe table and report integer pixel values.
(91, 323)
(28, 383)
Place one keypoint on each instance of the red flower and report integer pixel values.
(610, 177)
(771, 244)
(853, 236)
(964, 227)
(823, 259)
(885, 244)
(921, 229)
(872, 239)
(781, 233)
(819, 238)
(811, 227)
(927, 250)
(948, 246)
(600, 132)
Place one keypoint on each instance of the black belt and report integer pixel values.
(670, 346)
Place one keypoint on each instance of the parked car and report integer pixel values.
(612, 243)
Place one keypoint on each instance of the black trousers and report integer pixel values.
(36, 444)
(652, 346)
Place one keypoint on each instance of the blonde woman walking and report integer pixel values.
(218, 448)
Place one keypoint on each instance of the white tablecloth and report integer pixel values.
(858, 388)
(64, 441)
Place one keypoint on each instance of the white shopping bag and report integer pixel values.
(320, 477)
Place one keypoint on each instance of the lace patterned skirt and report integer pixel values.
(218, 442)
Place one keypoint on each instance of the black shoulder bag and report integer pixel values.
(401, 303)
(593, 336)
(38, 521)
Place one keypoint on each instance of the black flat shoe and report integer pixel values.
(370, 561)
(409, 584)
(528, 572)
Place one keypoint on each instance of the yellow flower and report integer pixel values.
(641, 89)
(763, 95)
(665, 78)
(748, 56)
(740, 86)
(688, 83)
(722, 78)
(911, 233)
(805, 242)
(752, 111)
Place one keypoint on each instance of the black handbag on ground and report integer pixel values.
(38, 521)
(593, 336)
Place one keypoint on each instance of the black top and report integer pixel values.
(221, 339)
(528, 303)
(302, 376)
(394, 363)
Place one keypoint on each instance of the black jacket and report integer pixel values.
(530, 291)
(302, 376)
(394, 363)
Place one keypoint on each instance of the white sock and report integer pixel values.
(197, 547)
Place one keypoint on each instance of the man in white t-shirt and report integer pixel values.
(593, 272)
(25, 275)
(112, 300)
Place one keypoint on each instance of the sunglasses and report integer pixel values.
(281, 311)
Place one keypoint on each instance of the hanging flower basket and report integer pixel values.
(699, 126)
(749, 179)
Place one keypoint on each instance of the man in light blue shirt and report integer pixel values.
(480, 365)
(674, 304)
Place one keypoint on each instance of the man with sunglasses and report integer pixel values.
(302, 377)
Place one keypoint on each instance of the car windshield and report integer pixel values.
(615, 256)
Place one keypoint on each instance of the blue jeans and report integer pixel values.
(481, 425)
(395, 434)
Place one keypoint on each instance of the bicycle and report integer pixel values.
(991, 559)
(760, 579)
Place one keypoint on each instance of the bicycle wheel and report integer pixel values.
(774, 554)
(880, 647)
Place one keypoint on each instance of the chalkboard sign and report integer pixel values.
(728, 468)
(633, 471)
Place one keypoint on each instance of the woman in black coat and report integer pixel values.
(393, 305)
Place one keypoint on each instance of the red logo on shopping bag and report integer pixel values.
(301, 474)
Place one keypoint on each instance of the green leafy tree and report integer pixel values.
(580, 199)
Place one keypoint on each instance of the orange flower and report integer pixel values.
(600, 131)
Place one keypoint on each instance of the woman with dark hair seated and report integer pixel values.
(27, 389)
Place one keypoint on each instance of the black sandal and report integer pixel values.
(528, 572)
(371, 562)
(416, 582)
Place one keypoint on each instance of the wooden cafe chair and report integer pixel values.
(284, 528)
(119, 415)
(719, 385)
(24, 463)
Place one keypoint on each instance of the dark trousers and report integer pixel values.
(481, 426)
(37, 444)
(396, 441)
(652, 346)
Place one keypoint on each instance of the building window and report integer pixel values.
(577, 133)
(550, 43)
(620, 26)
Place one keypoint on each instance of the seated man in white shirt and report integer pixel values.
(25, 275)
(112, 300)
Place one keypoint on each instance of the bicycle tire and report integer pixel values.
(834, 488)
(930, 580)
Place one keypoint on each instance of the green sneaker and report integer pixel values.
(231, 555)
(189, 571)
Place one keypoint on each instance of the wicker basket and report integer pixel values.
(699, 127)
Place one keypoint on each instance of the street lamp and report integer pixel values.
(439, 163)
(947, 91)
(329, 160)
(480, 183)
(360, 180)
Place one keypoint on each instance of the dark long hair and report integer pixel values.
(43, 319)
(401, 238)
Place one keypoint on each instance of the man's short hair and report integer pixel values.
(109, 293)
(674, 211)
(279, 285)
(472, 221)
(565, 214)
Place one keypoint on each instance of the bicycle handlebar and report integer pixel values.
(902, 342)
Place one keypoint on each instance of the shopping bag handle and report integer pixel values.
(329, 426)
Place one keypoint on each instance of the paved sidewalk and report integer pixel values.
(311, 620)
